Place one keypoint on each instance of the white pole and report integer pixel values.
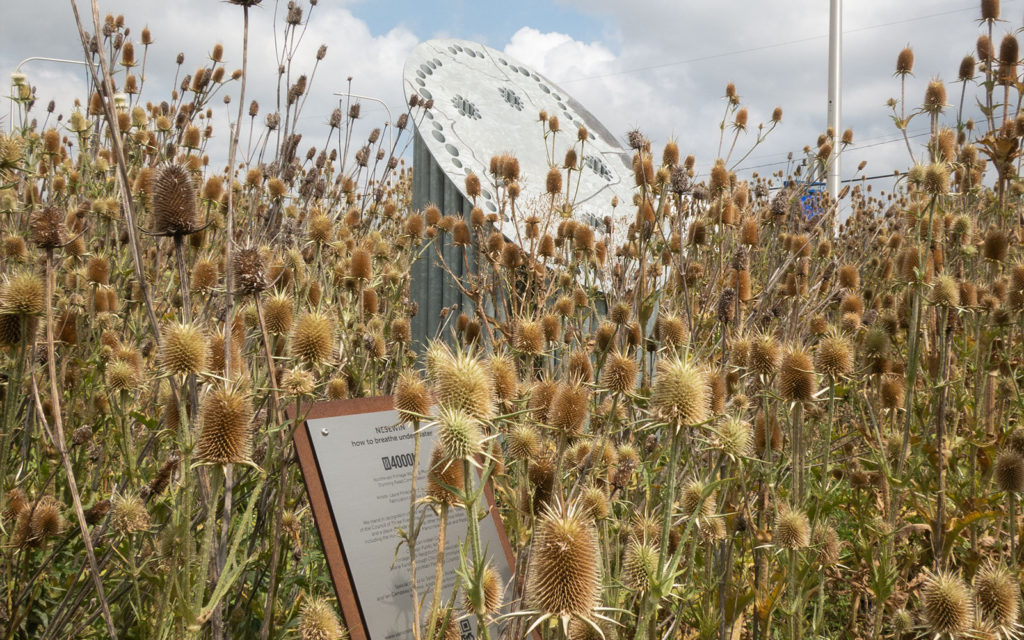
(835, 51)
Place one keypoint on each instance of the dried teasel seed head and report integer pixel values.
(565, 567)
(695, 503)
(946, 604)
(796, 376)
(183, 349)
(249, 271)
(990, 10)
(226, 436)
(412, 398)
(462, 382)
(22, 294)
(639, 565)
(792, 529)
(765, 356)
(826, 541)
(734, 437)
(128, 514)
(490, 593)
(569, 408)
(505, 377)
(681, 392)
(312, 339)
(444, 475)
(997, 594)
(277, 313)
(523, 442)
(1009, 471)
(47, 227)
(619, 373)
(905, 61)
(174, 200)
(317, 619)
(834, 356)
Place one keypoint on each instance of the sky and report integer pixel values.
(660, 66)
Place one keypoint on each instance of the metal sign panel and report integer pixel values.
(356, 460)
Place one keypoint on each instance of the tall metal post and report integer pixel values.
(835, 54)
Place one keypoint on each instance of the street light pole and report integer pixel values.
(835, 54)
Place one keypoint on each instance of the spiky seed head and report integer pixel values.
(1015, 440)
(834, 356)
(205, 275)
(174, 200)
(945, 291)
(313, 338)
(565, 568)
(595, 502)
(639, 565)
(580, 629)
(460, 434)
(491, 593)
(226, 436)
(570, 406)
(46, 520)
(277, 313)
(297, 382)
(734, 436)
(997, 593)
(580, 367)
(673, 330)
(47, 228)
(765, 356)
(990, 10)
(529, 337)
(693, 501)
(121, 376)
(681, 392)
(446, 627)
(996, 245)
(462, 383)
(318, 621)
(183, 349)
(792, 529)
(891, 391)
(23, 294)
(905, 61)
(1009, 471)
(619, 373)
(523, 442)
(796, 378)
(505, 377)
(946, 604)
(711, 529)
(412, 398)
(826, 541)
(128, 514)
(337, 389)
(443, 472)
(250, 271)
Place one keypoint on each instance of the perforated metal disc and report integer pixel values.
(487, 103)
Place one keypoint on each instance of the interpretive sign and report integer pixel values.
(357, 461)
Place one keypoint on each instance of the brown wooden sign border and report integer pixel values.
(323, 514)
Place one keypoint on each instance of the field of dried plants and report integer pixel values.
(739, 423)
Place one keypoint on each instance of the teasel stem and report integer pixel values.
(670, 492)
(435, 606)
(798, 451)
(473, 535)
(940, 438)
(412, 534)
(795, 600)
(186, 313)
(229, 222)
(828, 431)
(62, 449)
(122, 168)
